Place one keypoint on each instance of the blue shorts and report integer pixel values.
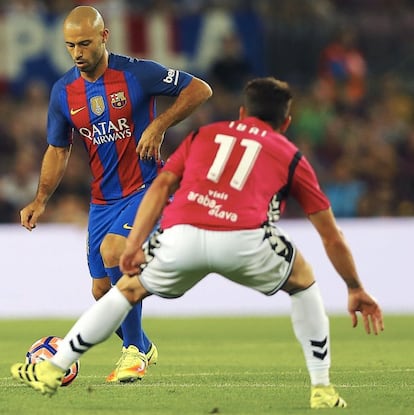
(116, 218)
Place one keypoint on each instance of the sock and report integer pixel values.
(131, 331)
(311, 327)
(94, 326)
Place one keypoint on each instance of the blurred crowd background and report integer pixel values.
(350, 64)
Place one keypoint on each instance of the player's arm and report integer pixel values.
(341, 258)
(146, 218)
(336, 247)
(190, 97)
(53, 168)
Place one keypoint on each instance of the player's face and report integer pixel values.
(86, 46)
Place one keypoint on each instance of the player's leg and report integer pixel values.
(132, 331)
(268, 261)
(311, 327)
(136, 344)
(135, 341)
(101, 218)
(90, 329)
(100, 286)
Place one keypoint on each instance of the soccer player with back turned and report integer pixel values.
(231, 180)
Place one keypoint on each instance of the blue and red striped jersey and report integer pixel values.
(109, 115)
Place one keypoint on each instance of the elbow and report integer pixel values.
(208, 91)
(204, 90)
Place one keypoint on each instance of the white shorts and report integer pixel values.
(181, 256)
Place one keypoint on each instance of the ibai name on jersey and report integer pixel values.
(107, 131)
(239, 126)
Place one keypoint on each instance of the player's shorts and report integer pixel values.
(116, 218)
(180, 256)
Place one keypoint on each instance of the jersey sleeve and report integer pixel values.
(59, 130)
(306, 189)
(157, 79)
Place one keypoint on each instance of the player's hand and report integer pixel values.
(360, 301)
(30, 214)
(149, 145)
(131, 260)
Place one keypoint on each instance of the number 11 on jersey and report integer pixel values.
(226, 145)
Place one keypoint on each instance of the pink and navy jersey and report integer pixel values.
(237, 175)
(109, 115)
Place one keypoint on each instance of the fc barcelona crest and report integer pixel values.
(118, 99)
(97, 105)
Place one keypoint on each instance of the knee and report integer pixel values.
(301, 277)
(111, 249)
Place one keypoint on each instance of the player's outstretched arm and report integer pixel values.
(53, 168)
(341, 258)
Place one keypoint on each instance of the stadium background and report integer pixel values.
(350, 63)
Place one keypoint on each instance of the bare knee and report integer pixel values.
(111, 249)
(301, 277)
(100, 287)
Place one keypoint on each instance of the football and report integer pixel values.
(45, 348)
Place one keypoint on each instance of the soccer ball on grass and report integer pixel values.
(45, 348)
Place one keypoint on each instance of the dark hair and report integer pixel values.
(268, 99)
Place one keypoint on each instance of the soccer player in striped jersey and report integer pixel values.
(107, 101)
(230, 182)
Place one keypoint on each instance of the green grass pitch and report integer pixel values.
(237, 366)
